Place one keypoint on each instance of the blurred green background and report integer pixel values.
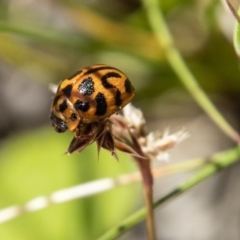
(43, 42)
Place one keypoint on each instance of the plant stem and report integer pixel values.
(233, 10)
(176, 61)
(215, 164)
(145, 169)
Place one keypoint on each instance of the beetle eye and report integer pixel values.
(61, 128)
(58, 124)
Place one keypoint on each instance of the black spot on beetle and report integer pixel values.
(105, 77)
(73, 117)
(74, 75)
(96, 69)
(128, 86)
(118, 100)
(67, 90)
(63, 106)
(86, 88)
(82, 106)
(101, 105)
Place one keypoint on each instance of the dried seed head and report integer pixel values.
(53, 87)
(135, 119)
(155, 144)
(129, 129)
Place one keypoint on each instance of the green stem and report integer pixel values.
(176, 61)
(215, 164)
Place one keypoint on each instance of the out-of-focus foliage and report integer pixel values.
(33, 164)
(237, 35)
(42, 42)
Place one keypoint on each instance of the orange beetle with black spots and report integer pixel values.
(90, 95)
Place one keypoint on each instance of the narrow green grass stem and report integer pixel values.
(176, 61)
